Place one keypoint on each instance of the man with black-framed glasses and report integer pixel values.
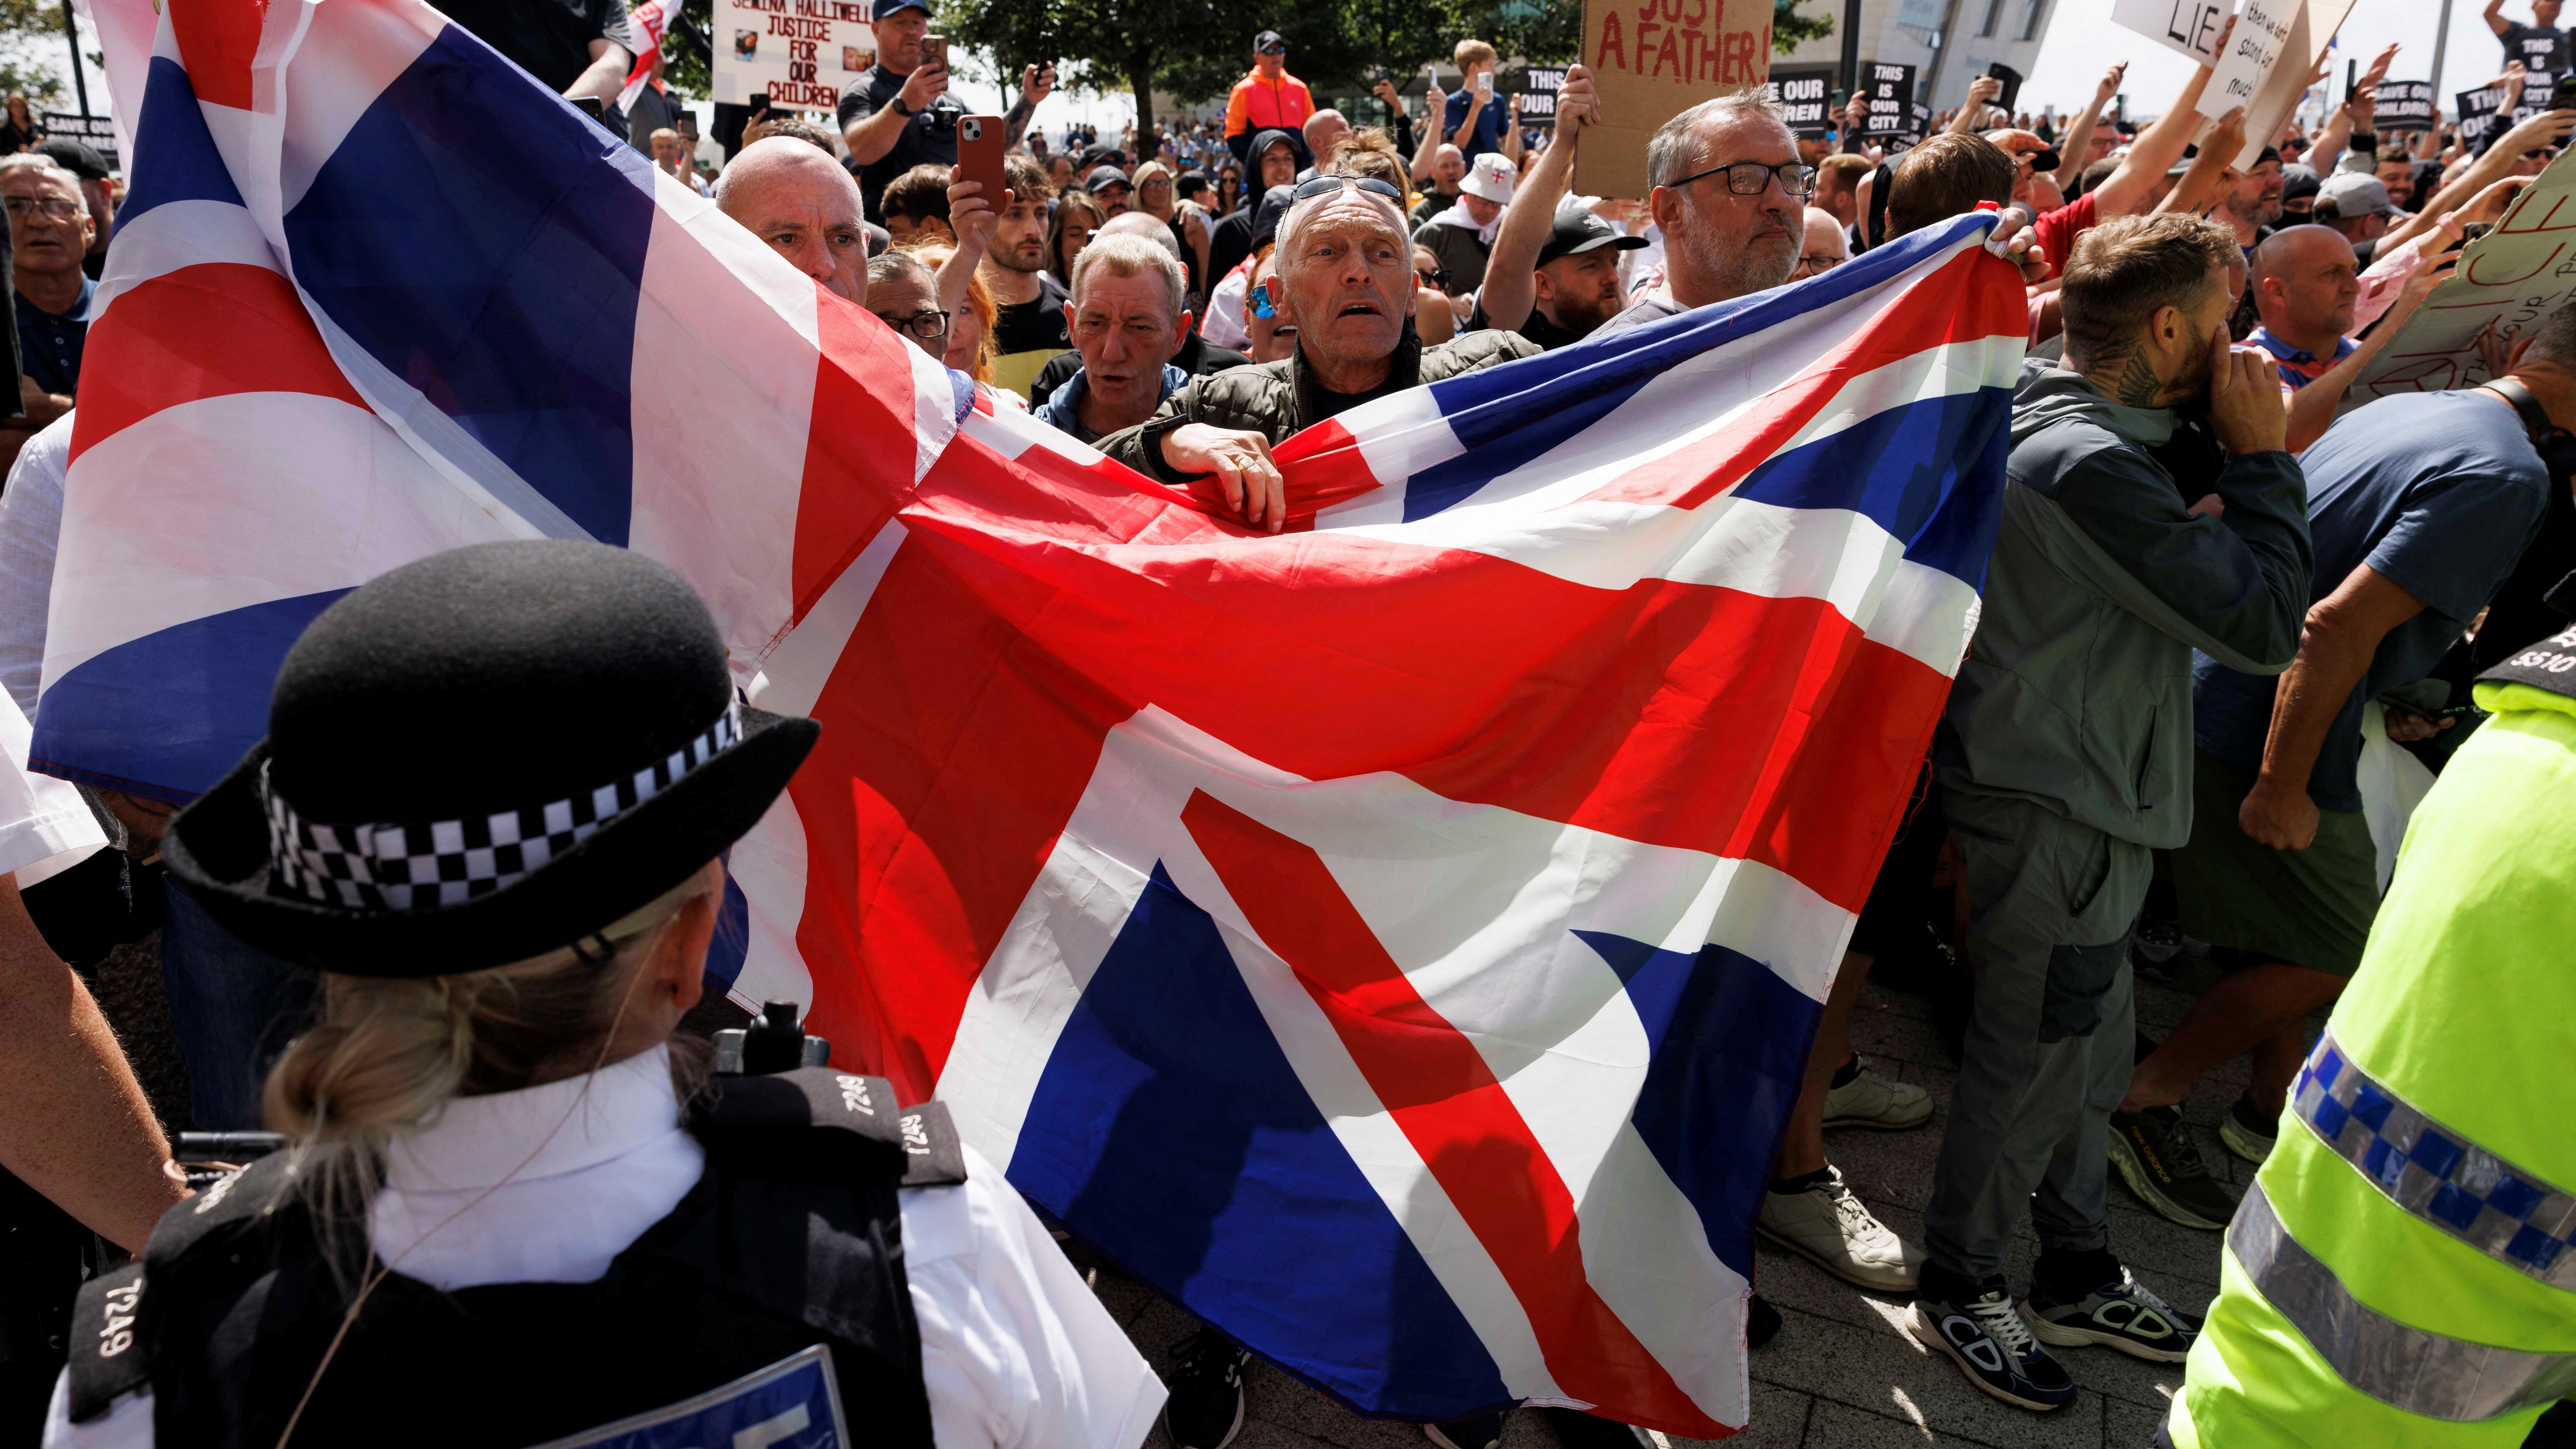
(1730, 195)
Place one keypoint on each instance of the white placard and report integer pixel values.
(2185, 27)
(2254, 48)
(800, 53)
(2513, 277)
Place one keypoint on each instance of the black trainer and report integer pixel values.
(2161, 1164)
(2249, 1131)
(2121, 1313)
(1993, 1347)
(1205, 1410)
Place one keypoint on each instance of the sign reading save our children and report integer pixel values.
(1651, 58)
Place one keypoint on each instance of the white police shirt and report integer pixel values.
(1015, 1350)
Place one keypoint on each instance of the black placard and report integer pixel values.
(1539, 84)
(97, 131)
(1890, 90)
(1807, 94)
(2404, 106)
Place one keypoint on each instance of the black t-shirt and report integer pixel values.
(1033, 326)
(1329, 403)
(2542, 49)
(550, 39)
(1535, 327)
(929, 136)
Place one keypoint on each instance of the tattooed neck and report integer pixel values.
(2137, 385)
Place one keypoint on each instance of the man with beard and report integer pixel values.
(1730, 196)
(1554, 274)
(2065, 763)
(1008, 250)
(1274, 163)
(2255, 205)
(805, 205)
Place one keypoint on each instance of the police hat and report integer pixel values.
(481, 757)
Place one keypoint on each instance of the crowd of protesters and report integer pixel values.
(2216, 584)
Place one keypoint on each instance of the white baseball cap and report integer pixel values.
(1490, 177)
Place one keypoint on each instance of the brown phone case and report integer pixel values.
(979, 156)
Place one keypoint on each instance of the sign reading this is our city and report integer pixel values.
(1650, 58)
(799, 53)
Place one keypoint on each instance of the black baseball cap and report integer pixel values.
(1582, 231)
(1102, 178)
(1269, 40)
(76, 157)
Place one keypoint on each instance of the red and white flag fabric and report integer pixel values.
(1397, 939)
(646, 23)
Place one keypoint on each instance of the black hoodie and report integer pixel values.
(1234, 236)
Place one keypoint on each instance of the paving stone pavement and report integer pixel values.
(1843, 1373)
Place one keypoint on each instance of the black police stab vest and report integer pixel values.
(791, 1238)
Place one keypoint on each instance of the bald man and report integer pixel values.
(2306, 284)
(1321, 130)
(801, 202)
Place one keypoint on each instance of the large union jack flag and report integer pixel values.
(1397, 939)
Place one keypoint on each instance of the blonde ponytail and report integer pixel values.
(386, 1053)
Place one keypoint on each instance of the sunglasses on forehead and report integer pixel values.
(1327, 185)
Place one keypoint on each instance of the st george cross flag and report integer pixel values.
(646, 23)
(1396, 939)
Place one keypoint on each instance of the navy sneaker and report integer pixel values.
(2123, 1314)
(1993, 1347)
(1205, 1407)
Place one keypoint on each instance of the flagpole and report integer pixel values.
(2441, 41)
(80, 83)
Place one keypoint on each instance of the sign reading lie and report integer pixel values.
(1806, 94)
(799, 53)
(1651, 58)
(2186, 27)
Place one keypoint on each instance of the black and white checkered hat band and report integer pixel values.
(419, 865)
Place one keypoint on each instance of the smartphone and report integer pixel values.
(979, 157)
(1485, 87)
(591, 107)
(2563, 96)
(2012, 84)
(934, 51)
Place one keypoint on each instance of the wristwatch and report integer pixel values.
(900, 108)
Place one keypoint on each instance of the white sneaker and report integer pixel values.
(1870, 1100)
(1830, 1226)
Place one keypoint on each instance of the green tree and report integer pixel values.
(33, 53)
(1788, 27)
(684, 66)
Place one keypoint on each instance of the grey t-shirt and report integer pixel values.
(1653, 307)
(2439, 493)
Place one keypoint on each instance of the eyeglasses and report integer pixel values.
(1750, 178)
(1815, 262)
(1327, 185)
(53, 207)
(1436, 277)
(928, 326)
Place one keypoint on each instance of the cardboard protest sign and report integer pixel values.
(2185, 27)
(2271, 59)
(97, 132)
(800, 53)
(1653, 58)
(2406, 106)
(1806, 93)
(2512, 277)
(1539, 86)
(1890, 89)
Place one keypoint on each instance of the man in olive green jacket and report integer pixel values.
(2066, 756)
(1346, 280)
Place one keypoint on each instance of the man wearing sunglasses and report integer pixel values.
(1268, 98)
(1346, 275)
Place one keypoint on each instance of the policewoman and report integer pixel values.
(489, 811)
(2402, 1274)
